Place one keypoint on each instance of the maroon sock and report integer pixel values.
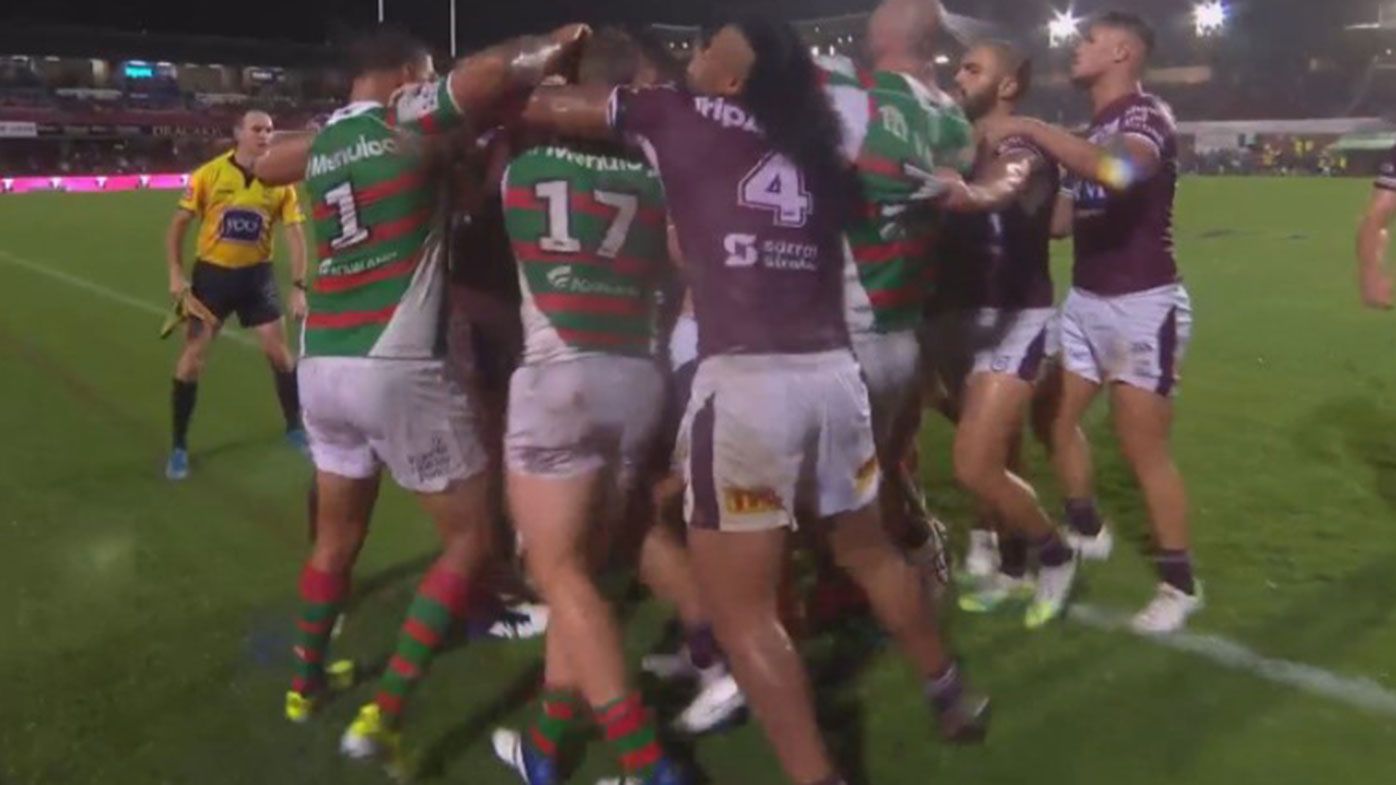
(1083, 517)
(1052, 551)
(703, 650)
(1175, 569)
(945, 689)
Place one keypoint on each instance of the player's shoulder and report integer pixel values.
(1018, 144)
(1151, 106)
(419, 99)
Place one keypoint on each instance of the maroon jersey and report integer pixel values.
(1124, 240)
(761, 244)
(1386, 175)
(1002, 259)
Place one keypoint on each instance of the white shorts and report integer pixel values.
(362, 414)
(891, 366)
(583, 415)
(767, 438)
(1136, 339)
(964, 342)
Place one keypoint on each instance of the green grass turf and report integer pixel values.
(146, 626)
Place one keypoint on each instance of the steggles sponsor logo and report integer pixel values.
(363, 149)
(750, 501)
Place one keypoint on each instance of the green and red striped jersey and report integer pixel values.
(898, 132)
(380, 279)
(589, 232)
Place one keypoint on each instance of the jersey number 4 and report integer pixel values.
(777, 185)
(559, 239)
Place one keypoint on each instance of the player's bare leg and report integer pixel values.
(1071, 458)
(184, 393)
(272, 339)
(990, 424)
(461, 515)
(343, 507)
(741, 574)
(665, 567)
(907, 611)
(1143, 421)
(990, 421)
(554, 517)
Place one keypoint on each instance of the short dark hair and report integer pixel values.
(657, 54)
(1016, 59)
(1130, 22)
(384, 49)
(611, 57)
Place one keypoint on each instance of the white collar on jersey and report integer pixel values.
(353, 110)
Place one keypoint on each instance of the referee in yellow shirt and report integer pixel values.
(233, 273)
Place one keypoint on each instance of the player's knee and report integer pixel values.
(190, 364)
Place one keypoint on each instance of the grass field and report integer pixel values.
(144, 627)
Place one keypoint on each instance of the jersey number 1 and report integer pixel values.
(559, 239)
(341, 198)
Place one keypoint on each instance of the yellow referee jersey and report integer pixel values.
(236, 212)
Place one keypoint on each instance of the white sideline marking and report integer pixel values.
(1361, 693)
(101, 291)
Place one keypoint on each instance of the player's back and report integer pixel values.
(761, 243)
(587, 227)
(376, 212)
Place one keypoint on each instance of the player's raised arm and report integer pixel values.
(284, 162)
(1132, 157)
(1373, 240)
(481, 83)
(583, 111)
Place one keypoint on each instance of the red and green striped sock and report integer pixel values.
(441, 599)
(559, 712)
(631, 729)
(322, 598)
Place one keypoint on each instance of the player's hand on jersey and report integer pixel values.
(952, 192)
(1376, 289)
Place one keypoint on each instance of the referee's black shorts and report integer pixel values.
(249, 292)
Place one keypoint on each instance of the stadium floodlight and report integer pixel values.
(942, 60)
(1209, 18)
(1063, 28)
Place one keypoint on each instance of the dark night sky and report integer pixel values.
(487, 20)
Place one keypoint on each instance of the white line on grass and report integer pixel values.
(99, 290)
(1361, 693)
